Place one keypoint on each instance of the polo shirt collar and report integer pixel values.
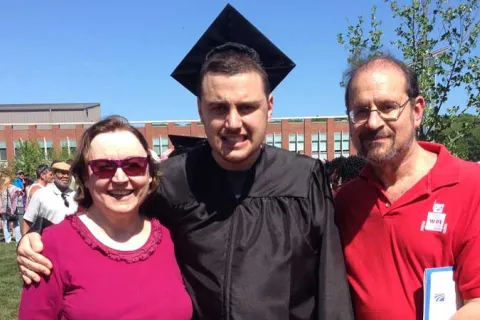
(444, 172)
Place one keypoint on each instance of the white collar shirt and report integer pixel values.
(48, 203)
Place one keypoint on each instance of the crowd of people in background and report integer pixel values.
(20, 193)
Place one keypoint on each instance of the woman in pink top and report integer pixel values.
(110, 261)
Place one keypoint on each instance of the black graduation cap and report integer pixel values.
(185, 141)
(231, 26)
(182, 144)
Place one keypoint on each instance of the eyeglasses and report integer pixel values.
(105, 168)
(388, 111)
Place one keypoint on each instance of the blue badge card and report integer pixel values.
(441, 298)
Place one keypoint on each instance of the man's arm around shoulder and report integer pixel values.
(31, 262)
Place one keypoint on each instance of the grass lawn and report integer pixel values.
(10, 282)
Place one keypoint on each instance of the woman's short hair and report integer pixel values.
(80, 163)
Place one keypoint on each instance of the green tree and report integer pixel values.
(28, 156)
(468, 147)
(438, 40)
(63, 155)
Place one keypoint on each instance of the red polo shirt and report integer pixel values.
(387, 245)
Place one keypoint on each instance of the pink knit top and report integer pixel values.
(92, 281)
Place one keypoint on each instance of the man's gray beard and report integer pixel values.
(390, 154)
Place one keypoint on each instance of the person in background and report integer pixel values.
(2, 217)
(44, 177)
(28, 185)
(413, 207)
(1, 213)
(28, 182)
(12, 208)
(73, 185)
(19, 179)
(332, 169)
(341, 170)
(50, 205)
(135, 273)
(19, 182)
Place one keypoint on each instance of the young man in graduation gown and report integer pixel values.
(253, 225)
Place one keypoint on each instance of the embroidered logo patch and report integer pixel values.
(435, 219)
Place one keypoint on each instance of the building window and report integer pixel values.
(337, 144)
(73, 146)
(323, 146)
(319, 146)
(69, 147)
(315, 145)
(160, 145)
(3, 151)
(292, 146)
(345, 144)
(64, 146)
(274, 140)
(47, 147)
(17, 149)
(296, 143)
(300, 144)
(342, 144)
(270, 139)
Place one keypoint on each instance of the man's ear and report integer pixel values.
(418, 110)
(270, 107)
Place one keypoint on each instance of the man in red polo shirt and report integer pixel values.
(414, 206)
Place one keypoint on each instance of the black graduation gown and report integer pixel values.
(272, 254)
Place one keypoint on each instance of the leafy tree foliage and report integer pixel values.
(29, 155)
(438, 39)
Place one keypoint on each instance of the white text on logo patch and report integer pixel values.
(435, 220)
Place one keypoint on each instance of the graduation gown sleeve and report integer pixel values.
(333, 297)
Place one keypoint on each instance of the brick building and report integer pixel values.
(319, 137)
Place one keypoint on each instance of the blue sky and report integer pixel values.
(121, 53)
